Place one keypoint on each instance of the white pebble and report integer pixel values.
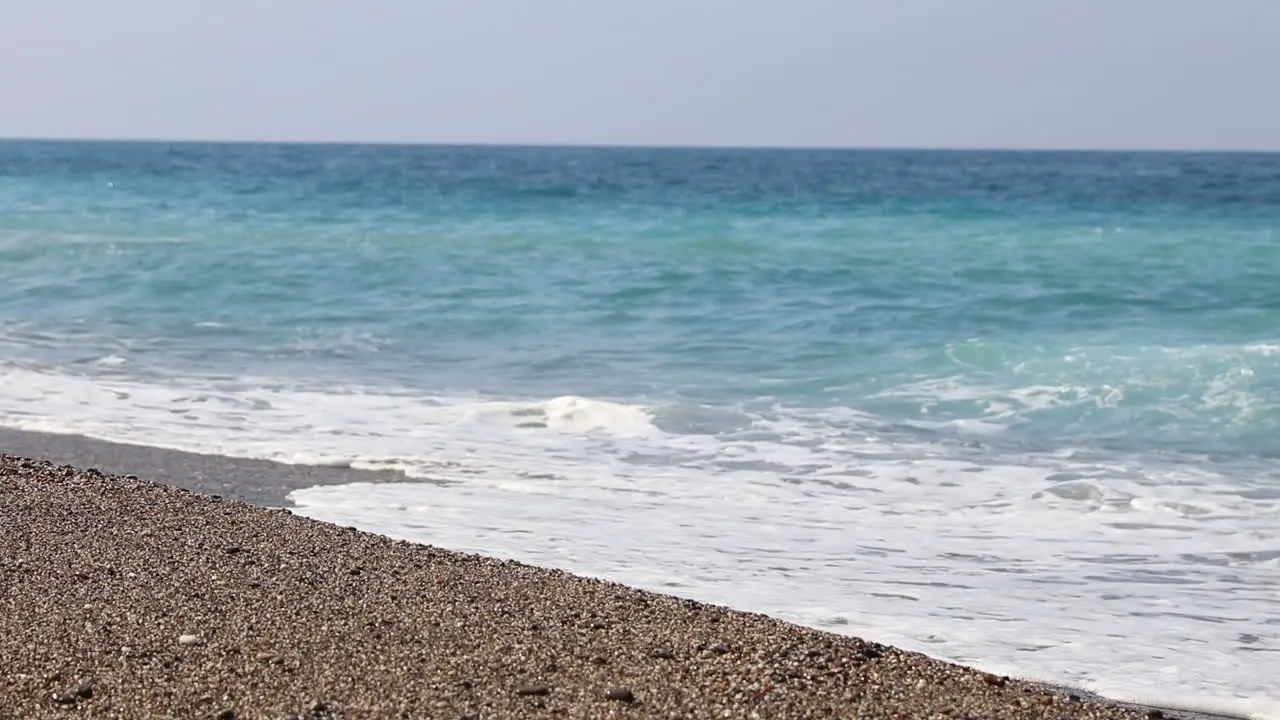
(190, 640)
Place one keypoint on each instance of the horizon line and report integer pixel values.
(639, 146)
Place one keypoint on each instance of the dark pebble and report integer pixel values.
(534, 690)
(994, 680)
(227, 714)
(232, 550)
(598, 660)
(1154, 714)
(621, 695)
(663, 654)
(84, 691)
(719, 649)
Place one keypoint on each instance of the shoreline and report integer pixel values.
(259, 482)
(247, 481)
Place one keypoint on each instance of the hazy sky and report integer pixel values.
(931, 73)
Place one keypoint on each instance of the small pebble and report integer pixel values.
(65, 698)
(227, 714)
(189, 640)
(663, 653)
(84, 691)
(1154, 714)
(621, 694)
(534, 690)
(870, 652)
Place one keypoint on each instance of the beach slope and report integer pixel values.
(123, 598)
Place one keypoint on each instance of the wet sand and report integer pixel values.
(260, 482)
(125, 598)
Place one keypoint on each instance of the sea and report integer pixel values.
(1014, 409)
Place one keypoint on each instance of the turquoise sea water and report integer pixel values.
(1026, 400)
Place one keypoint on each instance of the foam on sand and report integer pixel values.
(273, 610)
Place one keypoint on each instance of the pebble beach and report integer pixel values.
(125, 598)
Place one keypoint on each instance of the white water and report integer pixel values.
(1139, 579)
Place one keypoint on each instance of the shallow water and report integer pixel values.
(1015, 409)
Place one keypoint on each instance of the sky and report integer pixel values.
(1118, 74)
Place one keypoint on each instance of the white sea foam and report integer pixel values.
(1134, 577)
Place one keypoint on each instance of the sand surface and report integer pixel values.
(128, 599)
(260, 482)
